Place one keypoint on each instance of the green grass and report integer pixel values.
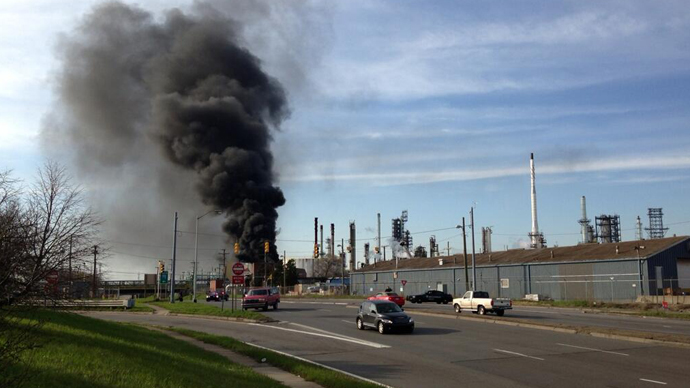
(136, 309)
(78, 351)
(204, 309)
(322, 376)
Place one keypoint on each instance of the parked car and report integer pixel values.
(389, 296)
(383, 316)
(261, 298)
(216, 296)
(431, 296)
(479, 302)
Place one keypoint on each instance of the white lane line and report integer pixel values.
(330, 335)
(518, 354)
(321, 365)
(594, 350)
(668, 327)
(346, 321)
(654, 381)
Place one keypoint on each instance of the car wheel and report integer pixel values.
(382, 329)
(438, 302)
(445, 302)
(410, 330)
(457, 308)
(481, 310)
(500, 312)
(275, 306)
(265, 308)
(360, 325)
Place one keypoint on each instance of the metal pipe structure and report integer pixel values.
(378, 236)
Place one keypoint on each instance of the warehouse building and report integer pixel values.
(619, 271)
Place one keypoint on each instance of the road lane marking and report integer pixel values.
(326, 303)
(594, 350)
(320, 364)
(517, 310)
(346, 321)
(654, 381)
(518, 354)
(329, 335)
(668, 327)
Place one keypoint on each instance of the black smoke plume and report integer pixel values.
(187, 85)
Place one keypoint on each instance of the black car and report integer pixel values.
(431, 296)
(216, 296)
(383, 316)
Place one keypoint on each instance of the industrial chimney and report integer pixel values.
(537, 239)
(584, 222)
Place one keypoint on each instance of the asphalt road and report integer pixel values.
(568, 316)
(445, 352)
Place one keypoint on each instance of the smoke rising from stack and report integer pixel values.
(174, 100)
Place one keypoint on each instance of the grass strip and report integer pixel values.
(322, 376)
(319, 296)
(82, 352)
(204, 309)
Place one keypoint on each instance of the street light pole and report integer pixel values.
(474, 266)
(196, 249)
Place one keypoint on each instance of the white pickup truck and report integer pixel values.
(479, 302)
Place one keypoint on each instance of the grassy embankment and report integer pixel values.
(204, 309)
(322, 376)
(642, 309)
(78, 352)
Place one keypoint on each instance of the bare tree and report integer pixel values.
(40, 230)
(327, 267)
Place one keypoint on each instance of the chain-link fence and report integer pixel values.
(624, 287)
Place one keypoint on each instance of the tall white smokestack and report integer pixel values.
(584, 222)
(536, 243)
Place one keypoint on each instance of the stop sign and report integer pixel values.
(238, 268)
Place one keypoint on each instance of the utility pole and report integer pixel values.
(94, 288)
(448, 249)
(342, 261)
(285, 269)
(174, 254)
(378, 237)
(474, 266)
(321, 246)
(464, 254)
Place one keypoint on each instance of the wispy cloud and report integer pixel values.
(382, 178)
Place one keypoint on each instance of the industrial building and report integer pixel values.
(620, 271)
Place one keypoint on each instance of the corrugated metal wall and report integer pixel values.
(602, 280)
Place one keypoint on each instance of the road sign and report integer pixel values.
(238, 269)
(404, 282)
(164, 277)
(238, 280)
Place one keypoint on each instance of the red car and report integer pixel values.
(390, 296)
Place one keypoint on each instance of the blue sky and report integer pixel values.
(430, 107)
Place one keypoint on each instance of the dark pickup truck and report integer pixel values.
(431, 296)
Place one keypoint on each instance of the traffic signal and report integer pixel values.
(267, 247)
(377, 249)
(316, 251)
(237, 248)
(161, 266)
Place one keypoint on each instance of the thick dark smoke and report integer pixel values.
(186, 85)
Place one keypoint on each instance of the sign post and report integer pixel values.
(237, 278)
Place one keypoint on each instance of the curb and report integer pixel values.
(585, 330)
(231, 319)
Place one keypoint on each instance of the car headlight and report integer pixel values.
(386, 321)
(411, 320)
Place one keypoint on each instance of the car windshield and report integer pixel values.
(391, 294)
(258, 292)
(385, 308)
(481, 294)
